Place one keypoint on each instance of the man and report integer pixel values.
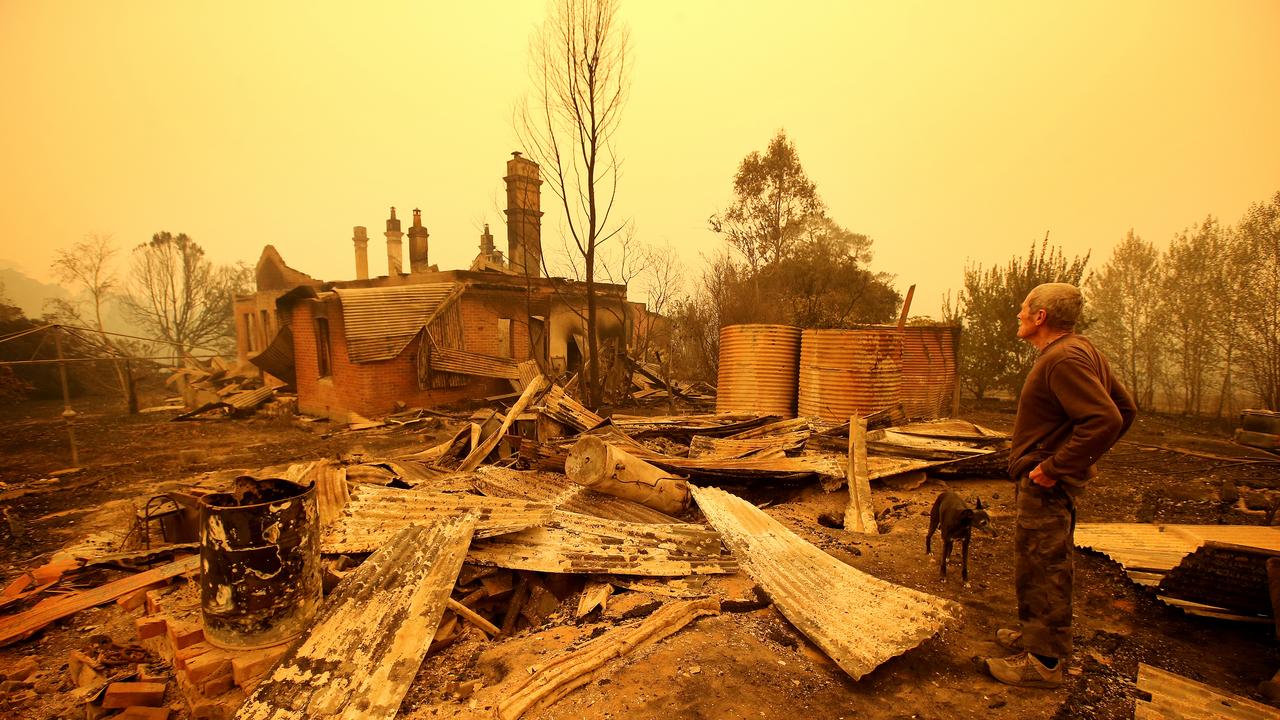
(1071, 411)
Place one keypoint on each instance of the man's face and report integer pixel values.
(1027, 319)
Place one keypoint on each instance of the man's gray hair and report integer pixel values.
(1061, 302)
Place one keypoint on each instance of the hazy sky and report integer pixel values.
(949, 132)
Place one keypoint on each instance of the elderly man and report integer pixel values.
(1071, 411)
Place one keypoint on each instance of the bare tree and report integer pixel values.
(579, 68)
(86, 269)
(178, 295)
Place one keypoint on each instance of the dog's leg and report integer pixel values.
(946, 553)
(933, 525)
(964, 560)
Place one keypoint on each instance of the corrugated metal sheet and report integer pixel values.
(469, 363)
(929, 374)
(375, 514)
(380, 322)
(277, 358)
(559, 491)
(1174, 697)
(573, 543)
(563, 408)
(849, 372)
(363, 651)
(249, 399)
(1146, 549)
(757, 369)
(860, 621)
(446, 331)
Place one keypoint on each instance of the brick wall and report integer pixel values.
(373, 388)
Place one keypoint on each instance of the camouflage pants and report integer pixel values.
(1043, 543)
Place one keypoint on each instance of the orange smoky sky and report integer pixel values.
(949, 132)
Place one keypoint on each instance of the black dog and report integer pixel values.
(957, 521)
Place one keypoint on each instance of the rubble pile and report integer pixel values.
(541, 515)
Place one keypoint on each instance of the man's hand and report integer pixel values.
(1039, 477)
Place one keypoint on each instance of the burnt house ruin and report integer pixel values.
(425, 336)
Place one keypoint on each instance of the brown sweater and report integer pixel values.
(1071, 411)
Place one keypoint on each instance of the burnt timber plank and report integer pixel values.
(375, 514)
(569, 672)
(573, 543)
(363, 650)
(859, 620)
(23, 624)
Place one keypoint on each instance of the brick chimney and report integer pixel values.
(361, 240)
(524, 219)
(395, 265)
(418, 244)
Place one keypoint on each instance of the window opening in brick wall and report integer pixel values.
(323, 352)
(250, 342)
(504, 338)
(266, 329)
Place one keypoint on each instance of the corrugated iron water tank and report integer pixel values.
(928, 371)
(758, 369)
(849, 372)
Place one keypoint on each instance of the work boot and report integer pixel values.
(1024, 670)
(1009, 639)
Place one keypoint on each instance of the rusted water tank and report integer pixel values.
(928, 371)
(849, 372)
(758, 369)
(260, 578)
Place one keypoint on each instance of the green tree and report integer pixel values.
(991, 356)
(1259, 300)
(579, 66)
(1188, 294)
(822, 282)
(774, 202)
(1126, 323)
(179, 296)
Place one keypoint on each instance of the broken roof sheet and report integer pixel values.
(573, 543)
(381, 321)
(1174, 697)
(361, 654)
(1148, 549)
(561, 492)
(859, 620)
(374, 514)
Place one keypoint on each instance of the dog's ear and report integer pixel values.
(978, 505)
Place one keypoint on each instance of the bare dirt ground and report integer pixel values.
(750, 664)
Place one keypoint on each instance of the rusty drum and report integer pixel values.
(758, 369)
(929, 371)
(849, 372)
(260, 580)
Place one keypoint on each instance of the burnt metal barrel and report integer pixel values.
(849, 372)
(758, 369)
(260, 581)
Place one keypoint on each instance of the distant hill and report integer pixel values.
(28, 293)
(18, 288)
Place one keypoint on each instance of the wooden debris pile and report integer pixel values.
(483, 537)
(235, 390)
